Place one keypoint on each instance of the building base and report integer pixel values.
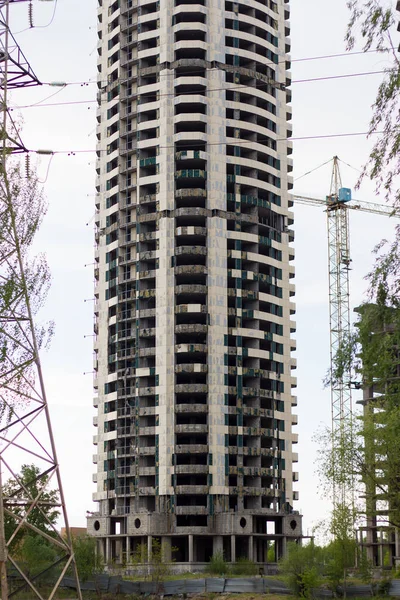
(260, 538)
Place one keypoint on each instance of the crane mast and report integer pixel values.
(339, 319)
(337, 206)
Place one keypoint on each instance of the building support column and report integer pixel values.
(149, 548)
(396, 547)
(108, 557)
(233, 548)
(250, 547)
(218, 544)
(166, 555)
(381, 549)
(283, 548)
(190, 544)
(118, 551)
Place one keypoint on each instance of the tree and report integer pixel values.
(36, 554)
(374, 21)
(88, 561)
(341, 552)
(24, 284)
(301, 568)
(367, 444)
(31, 483)
(158, 562)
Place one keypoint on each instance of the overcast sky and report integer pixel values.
(66, 51)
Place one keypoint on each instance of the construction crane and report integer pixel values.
(338, 205)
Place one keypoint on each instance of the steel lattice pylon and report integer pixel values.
(26, 434)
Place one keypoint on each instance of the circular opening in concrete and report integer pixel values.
(96, 525)
(137, 523)
(243, 522)
(293, 524)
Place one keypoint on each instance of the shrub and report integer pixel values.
(244, 566)
(217, 565)
(301, 568)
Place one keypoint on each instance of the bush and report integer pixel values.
(244, 566)
(88, 561)
(301, 568)
(217, 565)
(383, 587)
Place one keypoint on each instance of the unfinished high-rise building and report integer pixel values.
(379, 533)
(193, 292)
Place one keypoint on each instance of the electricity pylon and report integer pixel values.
(338, 206)
(26, 433)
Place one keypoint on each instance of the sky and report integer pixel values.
(63, 48)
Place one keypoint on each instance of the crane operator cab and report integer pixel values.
(343, 196)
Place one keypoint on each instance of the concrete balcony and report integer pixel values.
(190, 193)
(147, 294)
(191, 428)
(188, 289)
(191, 270)
(147, 450)
(191, 388)
(191, 510)
(191, 408)
(191, 250)
(147, 471)
(191, 368)
(147, 430)
(191, 308)
(146, 410)
(195, 490)
(191, 230)
(191, 449)
(254, 491)
(147, 491)
(147, 332)
(190, 348)
(147, 391)
(191, 328)
(146, 199)
(191, 469)
(191, 211)
(143, 352)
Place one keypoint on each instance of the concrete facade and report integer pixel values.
(193, 295)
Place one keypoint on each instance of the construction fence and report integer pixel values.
(258, 585)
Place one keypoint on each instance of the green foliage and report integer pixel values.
(30, 483)
(340, 554)
(217, 565)
(366, 457)
(271, 556)
(88, 561)
(244, 566)
(23, 286)
(374, 20)
(301, 568)
(158, 568)
(383, 587)
(36, 554)
(365, 568)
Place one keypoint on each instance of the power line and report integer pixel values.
(235, 143)
(174, 94)
(312, 170)
(308, 58)
(38, 26)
